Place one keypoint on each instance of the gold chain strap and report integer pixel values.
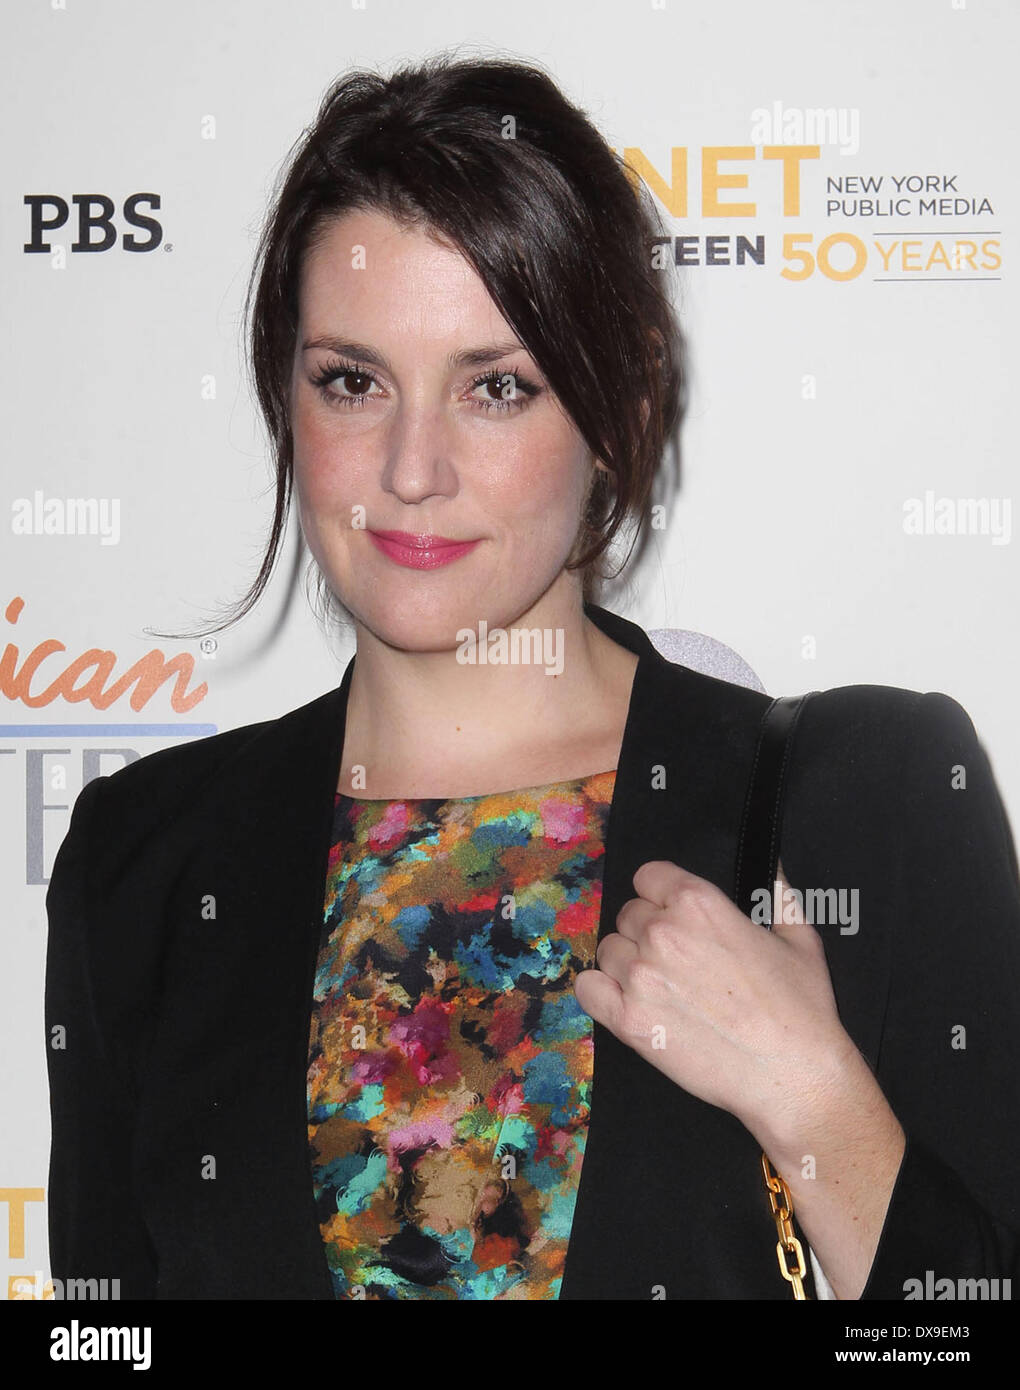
(788, 1244)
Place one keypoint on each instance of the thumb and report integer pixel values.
(788, 919)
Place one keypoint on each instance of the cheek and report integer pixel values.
(540, 477)
(328, 473)
(312, 448)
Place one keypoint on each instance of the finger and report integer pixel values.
(786, 909)
(663, 883)
(659, 880)
(614, 955)
(604, 1000)
(634, 916)
(600, 996)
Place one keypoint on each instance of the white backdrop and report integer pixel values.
(820, 406)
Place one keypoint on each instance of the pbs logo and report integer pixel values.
(95, 215)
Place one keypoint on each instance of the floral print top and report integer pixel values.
(450, 1064)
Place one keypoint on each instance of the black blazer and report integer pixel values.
(185, 911)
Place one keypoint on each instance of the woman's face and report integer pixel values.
(395, 430)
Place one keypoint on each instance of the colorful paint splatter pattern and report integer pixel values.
(450, 1064)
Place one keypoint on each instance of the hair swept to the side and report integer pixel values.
(490, 155)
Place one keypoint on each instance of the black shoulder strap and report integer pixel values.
(758, 850)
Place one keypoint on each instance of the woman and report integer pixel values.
(433, 988)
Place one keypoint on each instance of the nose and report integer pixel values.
(419, 453)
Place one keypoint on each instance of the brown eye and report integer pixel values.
(340, 384)
(356, 383)
(505, 391)
(503, 387)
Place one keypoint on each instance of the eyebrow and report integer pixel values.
(361, 352)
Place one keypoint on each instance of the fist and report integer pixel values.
(740, 1016)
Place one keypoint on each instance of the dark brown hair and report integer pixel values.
(490, 156)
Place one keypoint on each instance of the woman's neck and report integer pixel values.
(543, 699)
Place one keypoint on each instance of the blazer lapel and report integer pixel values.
(670, 1186)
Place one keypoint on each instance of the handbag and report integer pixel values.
(757, 863)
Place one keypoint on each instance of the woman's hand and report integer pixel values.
(741, 1017)
(746, 1019)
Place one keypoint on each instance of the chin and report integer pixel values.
(414, 624)
(426, 613)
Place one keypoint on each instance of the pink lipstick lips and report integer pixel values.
(420, 552)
